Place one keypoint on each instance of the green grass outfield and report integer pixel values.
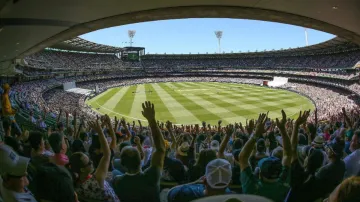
(193, 102)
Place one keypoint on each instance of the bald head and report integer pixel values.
(130, 159)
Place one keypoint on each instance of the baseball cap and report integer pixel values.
(183, 149)
(11, 163)
(218, 173)
(214, 145)
(270, 167)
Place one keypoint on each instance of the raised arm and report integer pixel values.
(116, 124)
(128, 134)
(59, 116)
(67, 119)
(140, 126)
(219, 126)
(286, 161)
(170, 130)
(139, 146)
(75, 121)
(295, 133)
(111, 132)
(247, 149)
(102, 169)
(158, 156)
(229, 131)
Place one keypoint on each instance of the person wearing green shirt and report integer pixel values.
(273, 179)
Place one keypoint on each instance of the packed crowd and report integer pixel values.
(51, 59)
(99, 159)
(43, 99)
(336, 60)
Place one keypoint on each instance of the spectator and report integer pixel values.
(352, 162)
(59, 146)
(13, 179)
(218, 176)
(146, 182)
(347, 191)
(92, 187)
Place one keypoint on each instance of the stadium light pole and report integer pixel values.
(218, 35)
(131, 34)
(306, 37)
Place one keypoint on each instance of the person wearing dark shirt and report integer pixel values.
(197, 170)
(330, 175)
(136, 185)
(217, 178)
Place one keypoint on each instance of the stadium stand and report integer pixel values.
(65, 147)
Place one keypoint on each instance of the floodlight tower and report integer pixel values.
(306, 37)
(131, 34)
(218, 35)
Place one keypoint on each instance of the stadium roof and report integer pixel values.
(79, 44)
(29, 26)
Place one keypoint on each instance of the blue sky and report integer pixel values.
(197, 35)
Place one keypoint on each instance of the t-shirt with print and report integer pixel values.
(143, 186)
(275, 191)
(189, 192)
(90, 190)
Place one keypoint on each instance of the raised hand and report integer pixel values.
(148, 110)
(139, 122)
(204, 124)
(66, 114)
(123, 121)
(302, 118)
(168, 125)
(250, 127)
(95, 125)
(260, 125)
(197, 128)
(116, 121)
(137, 140)
(219, 122)
(281, 124)
(229, 129)
(107, 119)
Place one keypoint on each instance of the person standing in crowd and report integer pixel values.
(217, 178)
(59, 146)
(352, 161)
(146, 182)
(89, 185)
(13, 180)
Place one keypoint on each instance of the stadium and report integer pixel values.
(76, 111)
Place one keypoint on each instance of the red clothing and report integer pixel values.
(60, 159)
(326, 136)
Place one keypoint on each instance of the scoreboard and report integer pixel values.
(132, 54)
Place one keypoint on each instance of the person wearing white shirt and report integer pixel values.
(13, 180)
(352, 161)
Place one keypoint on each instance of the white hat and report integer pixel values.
(11, 163)
(214, 145)
(218, 173)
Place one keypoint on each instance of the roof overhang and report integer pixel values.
(30, 26)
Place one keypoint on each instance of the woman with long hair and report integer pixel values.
(92, 187)
(198, 169)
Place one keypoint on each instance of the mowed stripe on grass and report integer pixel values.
(178, 111)
(195, 108)
(193, 102)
